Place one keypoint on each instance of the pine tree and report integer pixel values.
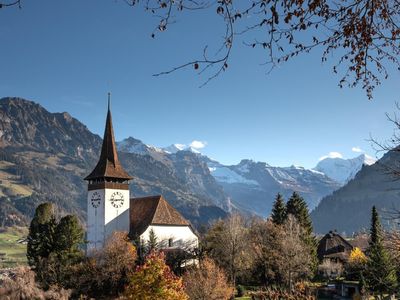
(380, 273)
(41, 234)
(297, 207)
(152, 243)
(69, 238)
(278, 214)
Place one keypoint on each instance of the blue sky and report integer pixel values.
(66, 55)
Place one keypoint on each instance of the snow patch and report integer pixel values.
(224, 174)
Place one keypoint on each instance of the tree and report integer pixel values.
(380, 273)
(53, 248)
(392, 239)
(356, 264)
(226, 243)
(69, 240)
(41, 234)
(295, 261)
(207, 281)
(152, 243)
(69, 235)
(363, 34)
(278, 214)
(265, 246)
(155, 281)
(297, 207)
(281, 256)
(57, 267)
(107, 271)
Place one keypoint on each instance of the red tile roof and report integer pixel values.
(153, 210)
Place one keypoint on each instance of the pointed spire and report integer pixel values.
(109, 101)
(108, 165)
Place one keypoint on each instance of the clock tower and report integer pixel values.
(108, 193)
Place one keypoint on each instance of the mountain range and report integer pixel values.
(250, 186)
(44, 156)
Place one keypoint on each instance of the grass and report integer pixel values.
(10, 184)
(12, 253)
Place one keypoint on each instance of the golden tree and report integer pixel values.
(155, 281)
(357, 257)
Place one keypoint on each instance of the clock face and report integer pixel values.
(95, 200)
(117, 199)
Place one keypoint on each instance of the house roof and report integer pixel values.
(333, 245)
(108, 165)
(152, 210)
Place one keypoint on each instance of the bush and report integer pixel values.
(155, 281)
(277, 294)
(240, 291)
(207, 281)
(20, 284)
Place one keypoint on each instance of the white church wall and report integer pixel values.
(116, 216)
(106, 216)
(182, 236)
(95, 219)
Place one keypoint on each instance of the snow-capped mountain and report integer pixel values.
(253, 185)
(250, 186)
(132, 145)
(183, 165)
(343, 170)
(180, 147)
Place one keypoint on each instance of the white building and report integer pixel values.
(110, 208)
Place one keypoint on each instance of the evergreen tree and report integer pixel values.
(41, 234)
(152, 243)
(278, 214)
(380, 273)
(297, 207)
(69, 235)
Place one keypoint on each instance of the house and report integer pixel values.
(333, 253)
(110, 207)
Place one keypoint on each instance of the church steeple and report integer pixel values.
(108, 168)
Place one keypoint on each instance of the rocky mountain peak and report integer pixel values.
(343, 170)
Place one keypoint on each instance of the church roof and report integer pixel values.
(108, 165)
(333, 245)
(152, 210)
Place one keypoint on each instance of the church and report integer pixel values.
(110, 207)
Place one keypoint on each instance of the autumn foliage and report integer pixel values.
(21, 284)
(207, 281)
(357, 257)
(155, 281)
(106, 271)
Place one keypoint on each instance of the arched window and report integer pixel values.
(170, 242)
